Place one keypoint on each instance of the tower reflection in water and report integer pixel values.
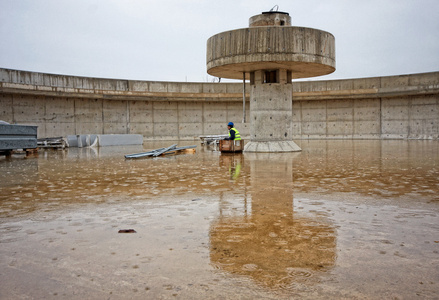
(269, 241)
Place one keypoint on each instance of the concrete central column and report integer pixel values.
(271, 113)
(272, 53)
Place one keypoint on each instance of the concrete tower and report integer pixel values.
(270, 53)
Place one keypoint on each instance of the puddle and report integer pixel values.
(341, 219)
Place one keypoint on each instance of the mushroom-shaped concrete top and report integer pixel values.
(306, 52)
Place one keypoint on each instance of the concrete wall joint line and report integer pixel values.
(128, 117)
(103, 117)
(178, 119)
(326, 117)
(74, 116)
(381, 117)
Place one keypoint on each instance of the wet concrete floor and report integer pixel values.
(341, 219)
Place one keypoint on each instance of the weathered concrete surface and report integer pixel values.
(307, 52)
(271, 118)
(401, 107)
(271, 18)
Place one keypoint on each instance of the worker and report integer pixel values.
(233, 133)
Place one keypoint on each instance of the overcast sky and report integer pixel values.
(165, 40)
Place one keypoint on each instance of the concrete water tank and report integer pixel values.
(270, 53)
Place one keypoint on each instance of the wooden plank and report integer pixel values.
(179, 149)
(164, 150)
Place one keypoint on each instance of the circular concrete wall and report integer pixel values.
(391, 107)
(306, 52)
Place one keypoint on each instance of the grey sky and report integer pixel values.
(165, 40)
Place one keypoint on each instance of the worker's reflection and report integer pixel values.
(273, 244)
(233, 162)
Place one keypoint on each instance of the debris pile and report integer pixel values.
(173, 149)
(212, 139)
(53, 142)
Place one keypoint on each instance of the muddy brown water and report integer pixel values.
(341, 219)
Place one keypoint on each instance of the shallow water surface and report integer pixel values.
(341, 219)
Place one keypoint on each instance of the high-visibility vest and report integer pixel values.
(237, 135)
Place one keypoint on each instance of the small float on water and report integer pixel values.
(231, 146)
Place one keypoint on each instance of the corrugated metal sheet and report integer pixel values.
(17, 137)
